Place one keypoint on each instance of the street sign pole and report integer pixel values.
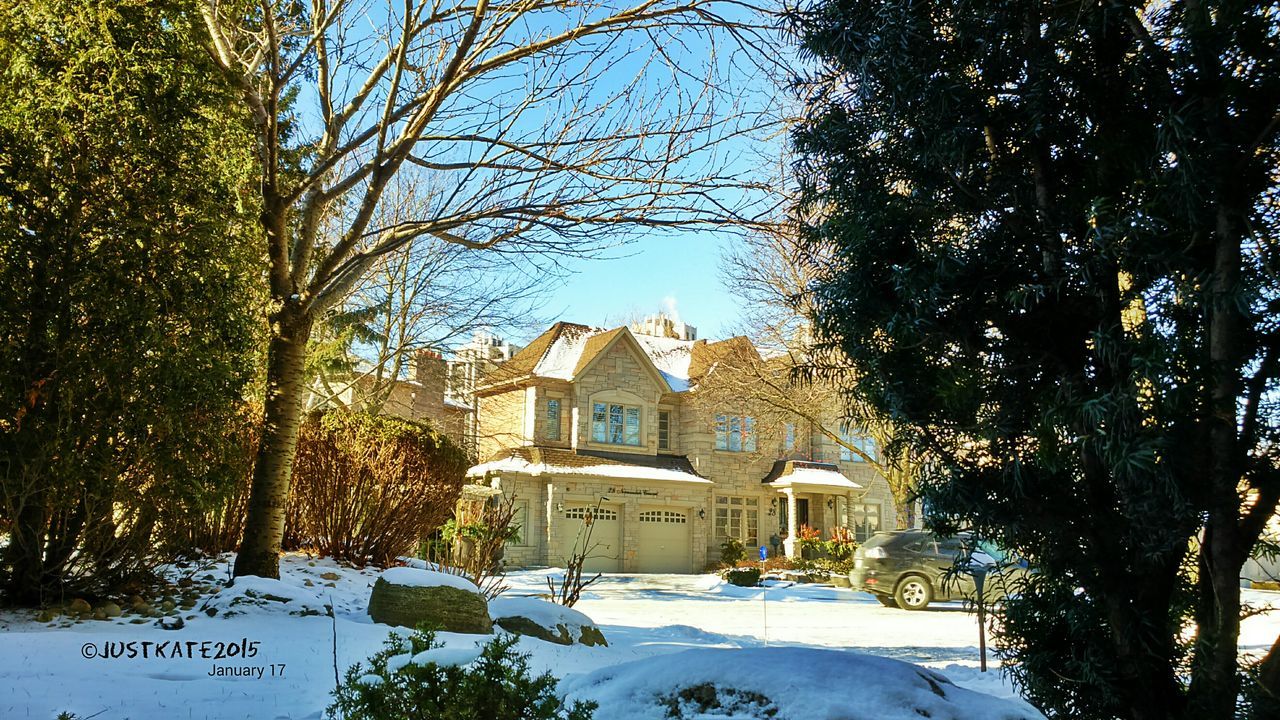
(764, 594)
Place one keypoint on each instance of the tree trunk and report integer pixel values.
(26, 552)
(1269, 676)
(273, 468)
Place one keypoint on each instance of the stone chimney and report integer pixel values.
(428, 401)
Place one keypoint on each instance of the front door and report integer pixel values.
(802, 512)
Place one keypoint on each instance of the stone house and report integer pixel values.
(597, 428)
(436, 390)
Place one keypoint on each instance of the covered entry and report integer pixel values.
(604, 548)
(663, 541)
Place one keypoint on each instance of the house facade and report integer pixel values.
(599, 430)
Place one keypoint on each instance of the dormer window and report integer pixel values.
(615, 424)
(736, 433)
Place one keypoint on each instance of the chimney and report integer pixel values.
(429, 370)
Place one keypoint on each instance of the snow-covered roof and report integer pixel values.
(672, 357)
(556, 461)
(793, 473)
(567, 349)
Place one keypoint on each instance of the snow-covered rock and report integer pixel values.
(260, 595)
(781, 682)
(408, 597)
(544, 620)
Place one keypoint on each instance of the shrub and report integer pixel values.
(742, 576)
(497, 686)
(367, 488)
(732, 552)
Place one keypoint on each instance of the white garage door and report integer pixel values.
(664, 541)
(604, 551)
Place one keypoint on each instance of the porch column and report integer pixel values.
(789, 545)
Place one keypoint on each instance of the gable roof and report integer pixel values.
(566, 350)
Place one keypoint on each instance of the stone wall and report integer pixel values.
(502, 422)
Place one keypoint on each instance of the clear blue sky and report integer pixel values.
(661, 271)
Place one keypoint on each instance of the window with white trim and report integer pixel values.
(736, 433)
(553, 419)
(864, 520)
(615, 424)
(664, 430)
(737, 518)
(862, 442)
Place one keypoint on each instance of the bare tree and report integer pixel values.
(554, 126)
(429, 294)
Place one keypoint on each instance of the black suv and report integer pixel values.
(911, 568)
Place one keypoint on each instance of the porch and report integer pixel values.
(818, 501)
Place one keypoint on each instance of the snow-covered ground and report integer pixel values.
(47, 668)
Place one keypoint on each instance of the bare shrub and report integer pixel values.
(477, 545)
(368, 488)
(569, 590)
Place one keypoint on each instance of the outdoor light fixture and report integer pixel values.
(702, 514)
(559, 507)
(831, 503)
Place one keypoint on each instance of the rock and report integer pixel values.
(185, 582)
(187, 603)
(80, 606)
(168, 605)
(111, 609)
(45, 616)
(545, 620)
(443, 607)
(171, 623)
(308, 583)
(135, 600)
(99, 614)
(330, 576)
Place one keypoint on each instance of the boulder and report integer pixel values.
(545, 620)
(409, 596)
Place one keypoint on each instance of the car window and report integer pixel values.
(990, 550)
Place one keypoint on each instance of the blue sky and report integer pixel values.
(679, 271)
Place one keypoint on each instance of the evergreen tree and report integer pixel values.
(128, 303)
(1052, 238)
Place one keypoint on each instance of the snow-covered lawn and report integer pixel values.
(47, 668)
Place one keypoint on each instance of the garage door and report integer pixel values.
(663, 541)
(604, 552)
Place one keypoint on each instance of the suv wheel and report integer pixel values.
(913, 593)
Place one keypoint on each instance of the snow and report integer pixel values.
(264, 596)
(794, 682)
(417, 577)
(629, 472)
(45, 670)
(816, 476)
(542, 612)
(562, 357)
(448, 655)
(671, 357)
